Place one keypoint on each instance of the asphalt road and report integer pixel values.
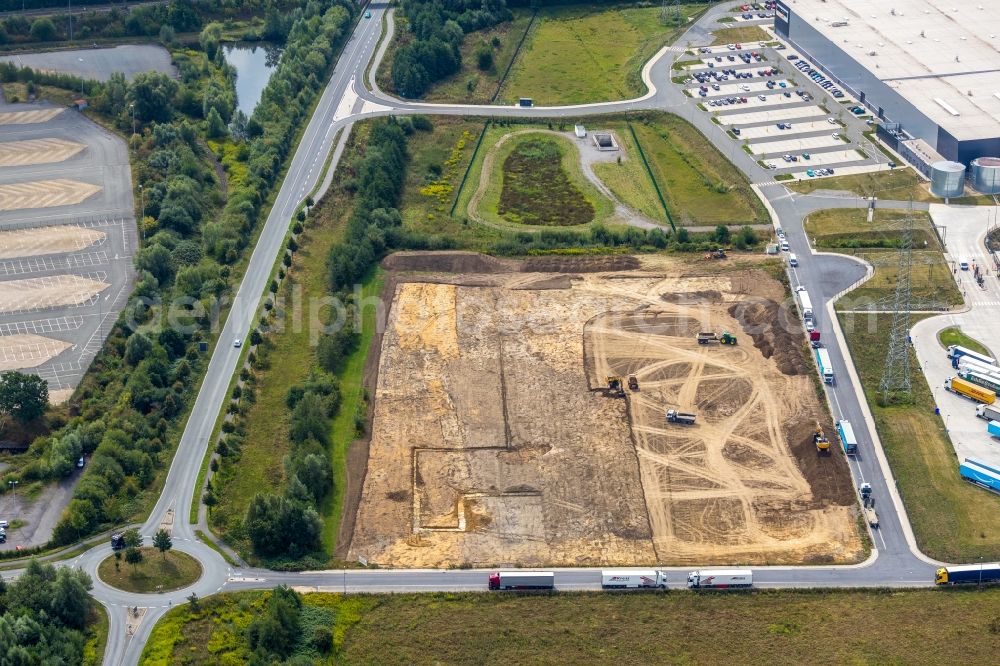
(895, 560)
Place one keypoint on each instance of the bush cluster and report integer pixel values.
(435, 32)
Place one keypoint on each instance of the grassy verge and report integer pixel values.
(849, 227)
(156, 573)
(914, 626)
(582, 53)
(930, 278)
(700, 185)
(897, 184)
(97, 635)
(629, 181)
(953, 336)
(740, 35)
(953, 521)
(211, 544)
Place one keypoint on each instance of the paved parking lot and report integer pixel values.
(796, 145)
(819, 159)
(772, 115)
(67, 236)
(99, 64)
(771, 130)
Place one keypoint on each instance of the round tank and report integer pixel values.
(985, 173)
(947, 179)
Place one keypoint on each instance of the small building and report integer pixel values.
(80, 104)
(581, 131)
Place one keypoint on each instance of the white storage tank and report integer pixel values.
(947, 179)
(985, 173)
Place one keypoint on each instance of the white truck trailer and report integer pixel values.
(805, 308)
(622, 579)
(720, 578)
(988, 412)
(522, 580)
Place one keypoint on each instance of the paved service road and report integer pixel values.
(895, 560)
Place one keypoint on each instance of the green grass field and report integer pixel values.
(953, 335)
(700, 185)
(290, 360)
(628, 179)
(897, 185)
(953, 520)
(930, 279)
(156, 573)
(740, 35)
(579, 54)
(773, 627)
(850, 228)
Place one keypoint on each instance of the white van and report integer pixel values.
(793, 261)
(784, 246)
(963, 263)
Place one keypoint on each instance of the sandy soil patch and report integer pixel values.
(28, 117)
(59, 396)
(45, 193)
(494, 441)
(37, 151)
(46, 240)
(48, 292)
(28, 350)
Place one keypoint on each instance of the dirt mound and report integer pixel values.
(693, 297)
(773, 334)
(598, 264)
(448, 262)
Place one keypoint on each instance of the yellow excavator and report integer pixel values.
(820, 440)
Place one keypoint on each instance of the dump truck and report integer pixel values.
(866, 491)
(970, 390)
(627, 579)
(720, 579)
(870, 516)
(726, 338)
(868, 505)
(117, 541)
(820, 440)
(522, 580)
(988, 412)
(633, 383)
(673, 416)
(824, 365)
(969, 574)
(847, 438)
(814, 339)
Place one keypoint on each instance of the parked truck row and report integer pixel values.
(625, 579)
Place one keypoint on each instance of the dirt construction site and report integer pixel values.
(495, 439)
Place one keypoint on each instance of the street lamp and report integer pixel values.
(131, 108)
(142, 217)
(13, 486)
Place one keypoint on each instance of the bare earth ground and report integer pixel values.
(48, 292)
(494, 441)
(27, 350)
(46, 240)
(37, 151)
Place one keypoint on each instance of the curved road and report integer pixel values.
(895, 560)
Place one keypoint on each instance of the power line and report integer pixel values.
(895, 385)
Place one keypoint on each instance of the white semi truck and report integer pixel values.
(621, 579)
(720, 578)
(988, 412)
(805, 308)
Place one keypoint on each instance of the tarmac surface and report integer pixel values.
(99, 266)
(99, 63)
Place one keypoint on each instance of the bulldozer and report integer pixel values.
(820, 440)
(615, 387)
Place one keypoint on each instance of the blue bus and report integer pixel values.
(847, 438)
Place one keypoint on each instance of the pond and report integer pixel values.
(254, 64)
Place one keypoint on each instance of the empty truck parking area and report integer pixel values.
(495, 438)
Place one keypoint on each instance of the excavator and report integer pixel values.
(820, 440)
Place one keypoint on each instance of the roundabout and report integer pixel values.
(156, 572)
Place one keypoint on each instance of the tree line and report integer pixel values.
(430, 47)
(44, 615)
(127, 413)
(163, 21)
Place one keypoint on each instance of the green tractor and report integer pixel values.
(727, 338)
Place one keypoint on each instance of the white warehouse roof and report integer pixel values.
(932, 53)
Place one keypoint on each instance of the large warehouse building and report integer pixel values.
(929, 70)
